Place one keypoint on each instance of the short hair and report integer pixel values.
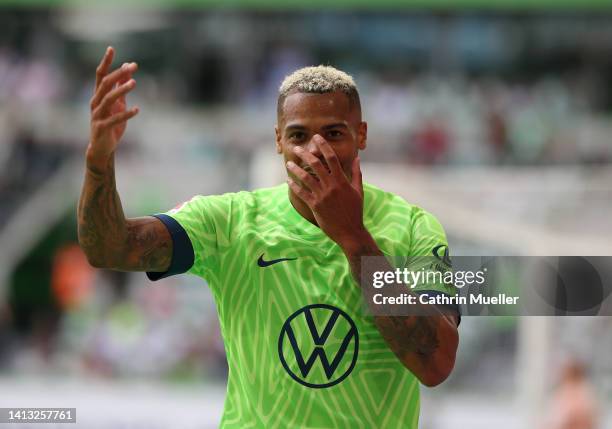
(318, 80)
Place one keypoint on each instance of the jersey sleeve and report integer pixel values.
(429, 254)
(198, 227)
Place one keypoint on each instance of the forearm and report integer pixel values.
(424, 344)
(102, 227)
(425, 340)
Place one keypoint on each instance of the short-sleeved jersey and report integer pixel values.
(301, 349)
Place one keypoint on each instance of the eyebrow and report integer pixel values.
(337, 125)
(294, 127)
(326, 127)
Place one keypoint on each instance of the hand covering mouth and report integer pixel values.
(308, 169)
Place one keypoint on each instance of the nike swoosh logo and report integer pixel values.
(263, 263)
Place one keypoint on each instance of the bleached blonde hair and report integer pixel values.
(318, 80)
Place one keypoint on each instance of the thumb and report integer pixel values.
(356, 180)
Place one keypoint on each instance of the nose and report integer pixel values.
(312, 146)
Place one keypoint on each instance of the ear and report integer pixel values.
(279, 146)
(362, 135)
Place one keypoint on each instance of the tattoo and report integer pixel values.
(109, 239)
(409, 336)
(150, 244)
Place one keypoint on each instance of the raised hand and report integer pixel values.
(109, 112)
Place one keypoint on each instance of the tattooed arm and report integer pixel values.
(426, 344)
(109, 239)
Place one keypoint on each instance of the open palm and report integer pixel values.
(109, 112)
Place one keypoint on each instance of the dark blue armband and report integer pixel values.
(182, 249)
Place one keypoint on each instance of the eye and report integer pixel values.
(297, 136)
(334, 134)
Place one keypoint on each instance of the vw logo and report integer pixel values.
(323, 334)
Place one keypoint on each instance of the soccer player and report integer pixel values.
(283, 264)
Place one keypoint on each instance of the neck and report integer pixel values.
(302, 208)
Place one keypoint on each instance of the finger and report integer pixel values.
(120, 118)
(330, 156)
(124, 79)
(357, 178)
(127, 75)
(105, 107)
(314, 162)
(306, 178)
(302, 193)
(102, 69)
(110, 98)
(109, 81)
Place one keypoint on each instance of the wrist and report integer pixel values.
(96, 162)
(361, 243)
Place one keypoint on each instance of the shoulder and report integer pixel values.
(272, 194)
(400, 227)
(386, 207)
(228, 200)
(383, 203)
(262, 199)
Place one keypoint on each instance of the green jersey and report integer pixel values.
(301, 350)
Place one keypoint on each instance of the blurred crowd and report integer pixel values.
(68, 318)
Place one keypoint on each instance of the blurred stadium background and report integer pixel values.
(497, 118)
